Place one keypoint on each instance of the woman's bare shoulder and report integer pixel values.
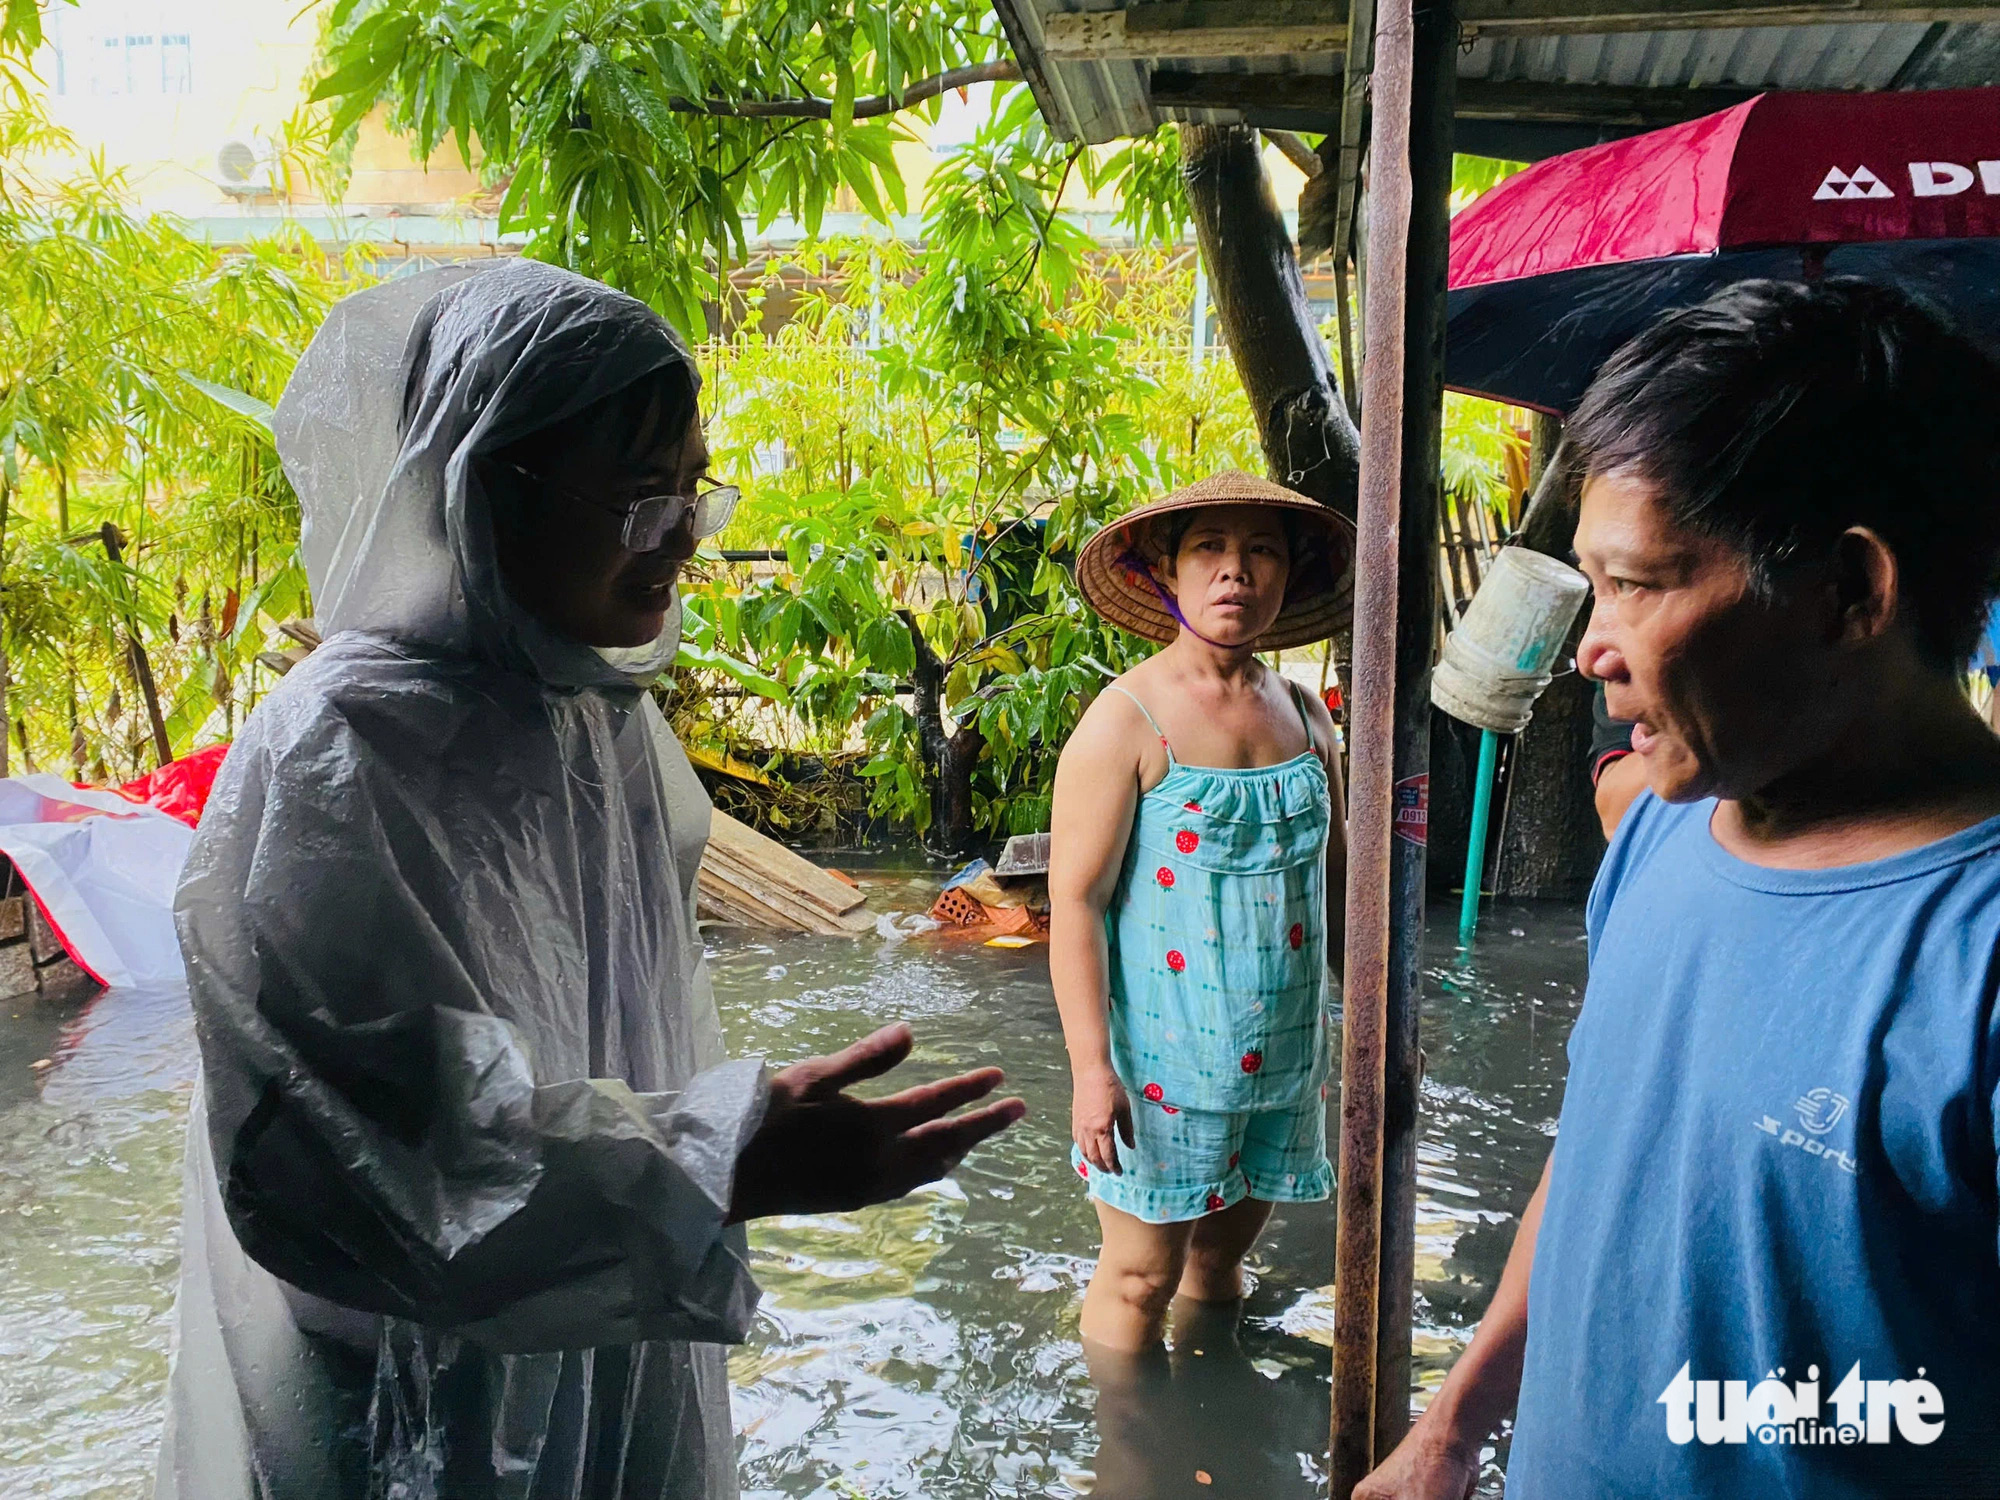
(1112, 744)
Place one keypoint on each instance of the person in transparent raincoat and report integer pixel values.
(467, 1169)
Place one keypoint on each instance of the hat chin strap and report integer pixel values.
(1140, 571)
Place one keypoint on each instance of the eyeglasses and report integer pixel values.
(651, 519)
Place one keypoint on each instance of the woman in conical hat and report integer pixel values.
(1195, 882)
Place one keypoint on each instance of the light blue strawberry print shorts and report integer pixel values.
(1189, 1162)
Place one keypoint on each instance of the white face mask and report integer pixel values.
(644, 663)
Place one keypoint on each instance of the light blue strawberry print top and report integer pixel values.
(1217, 937)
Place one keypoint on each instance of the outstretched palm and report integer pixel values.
(820, 1150)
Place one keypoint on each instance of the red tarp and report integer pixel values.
(180, 788)
(1781, 169)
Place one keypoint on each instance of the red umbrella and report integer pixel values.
(1558, 266)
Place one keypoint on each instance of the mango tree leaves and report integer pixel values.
(637, 137)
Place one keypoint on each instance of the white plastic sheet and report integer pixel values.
(457, 1179)
(104, 870)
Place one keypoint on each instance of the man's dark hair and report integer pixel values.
(1776, 415)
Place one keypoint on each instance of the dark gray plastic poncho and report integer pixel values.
(457, 1175)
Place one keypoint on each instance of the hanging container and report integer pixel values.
(1501, 656)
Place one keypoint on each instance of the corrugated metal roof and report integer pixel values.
(1101, 101)
(1090, 101)
(1855, 55)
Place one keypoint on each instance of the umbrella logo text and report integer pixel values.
(1860, 183)
(1943, 179)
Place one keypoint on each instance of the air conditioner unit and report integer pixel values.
(245, 169)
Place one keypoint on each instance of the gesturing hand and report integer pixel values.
(821, 1151)
(1099, 1115)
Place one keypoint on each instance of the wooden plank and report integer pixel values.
(752, 906)
(717, 897)
(771, 860)
(769, 857)
(775, 898)
(754, 881)
(749, 887)
(1102, 36)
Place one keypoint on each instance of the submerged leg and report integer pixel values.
(1125, 1306)
(1213, 1271)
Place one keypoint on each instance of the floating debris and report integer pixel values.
(748, 880)
(1025, 854)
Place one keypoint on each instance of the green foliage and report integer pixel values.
(1145, 175)
(20, 26)
(1023, 385)
(1485, 456)
(921, 420)
(1473, 175)
(136, 367)
(927, 414)
(619, 124)
(926, 435)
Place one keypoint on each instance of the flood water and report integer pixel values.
(926, 1349)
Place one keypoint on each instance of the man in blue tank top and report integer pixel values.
(1764, 1259)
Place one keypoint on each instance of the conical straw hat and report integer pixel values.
(1113, 568)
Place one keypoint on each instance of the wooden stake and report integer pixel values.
(1372, 793)
(142, 668)
(1418, 637)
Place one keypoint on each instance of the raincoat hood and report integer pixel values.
(407, 384)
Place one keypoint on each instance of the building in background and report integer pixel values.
(190, 99)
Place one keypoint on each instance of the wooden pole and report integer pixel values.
(1433, 86)
(142, 668)
(1371, 804)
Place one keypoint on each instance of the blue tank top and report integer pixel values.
(1217, 936)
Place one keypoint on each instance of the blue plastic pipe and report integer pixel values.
(1475, 844)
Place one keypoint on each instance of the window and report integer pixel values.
(111, 47)
(109, 77)
(176, 63)
(142, 63)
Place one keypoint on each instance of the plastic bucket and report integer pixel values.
(1503, 653)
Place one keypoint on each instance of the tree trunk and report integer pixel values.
(1260, 300)
(1549, 524)
(1550, 840)
(949, 756)
(142, 668)
(79, 748)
